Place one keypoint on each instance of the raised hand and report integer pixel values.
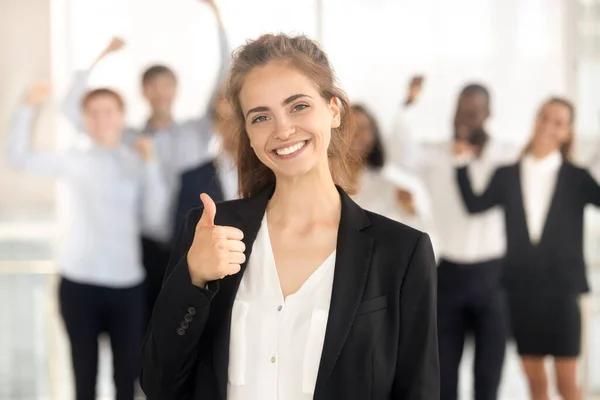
(462, 148)
(211, 3)
(406, 201)
(116, 44)
(145, 147)
(217, 251)
(415, 87)
(38, 94)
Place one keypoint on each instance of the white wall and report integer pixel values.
(24, 59)
(180, 33)
(513, 46)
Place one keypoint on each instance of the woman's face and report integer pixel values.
(287, 120)
(364, 137)
(104, 120)
(552, 127)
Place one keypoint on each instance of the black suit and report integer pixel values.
(547, 276)
(381, 337)
(202, 179)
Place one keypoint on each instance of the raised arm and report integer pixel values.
(591, 188)
(19, 148)
(475, 203)
(404, 146)
(417, 373)
(72, 103)
(224, 59)
(155, 191)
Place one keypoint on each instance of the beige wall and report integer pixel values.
(24, 57)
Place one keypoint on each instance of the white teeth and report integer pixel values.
(289, 150)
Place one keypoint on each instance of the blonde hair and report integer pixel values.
(304, 55)
(567, 148)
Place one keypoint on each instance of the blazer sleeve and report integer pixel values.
(170, 349)
(591, 189)
(417, 374)
(476, 203)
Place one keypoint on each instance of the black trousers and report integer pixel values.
(471, 301)
(89, 310)
(155, 257)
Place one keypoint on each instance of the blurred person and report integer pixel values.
(543, 196)
(404, 120)
(471, 300)
(334, 302)
(377, 190)
(217, 177)
(415, 88)
(112, 191)
(179, 146)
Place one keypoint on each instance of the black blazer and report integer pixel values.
(202, 179)
(381, 336)
(555, 264)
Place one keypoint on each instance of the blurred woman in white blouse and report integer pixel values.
(378, 189)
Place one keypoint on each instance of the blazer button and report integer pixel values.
(192, 311)
(185, 324)
(181, 331)
(188, 317)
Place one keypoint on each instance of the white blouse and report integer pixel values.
(276, 344)
(538, 181)
(377, 193)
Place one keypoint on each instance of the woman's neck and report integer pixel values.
(304, 200)
(540, 152)
(160, 120)
(107, 144)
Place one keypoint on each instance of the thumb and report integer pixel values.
(210, 210)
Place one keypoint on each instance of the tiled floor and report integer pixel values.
(34, 354)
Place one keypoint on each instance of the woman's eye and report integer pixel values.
(260, 118)
(300, 107)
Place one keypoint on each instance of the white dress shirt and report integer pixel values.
(275, 343)
(179, 147)
(462, 238)
(378, 193)
(112, 193)
(538, 184)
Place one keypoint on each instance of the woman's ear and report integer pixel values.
(334, 106)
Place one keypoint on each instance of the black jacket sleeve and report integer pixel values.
(170, 349)
(417, 373)
(491, 197)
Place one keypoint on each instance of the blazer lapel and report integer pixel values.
(353, 260)
(248, 220)
(551, 209)
(517, 179)
(554, 202)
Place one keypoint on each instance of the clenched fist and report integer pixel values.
(217, 251)
(37, 94)
(145, 148)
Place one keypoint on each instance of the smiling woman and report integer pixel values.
(294, 291)
(310, 95)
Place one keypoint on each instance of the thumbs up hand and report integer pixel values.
(217, 251)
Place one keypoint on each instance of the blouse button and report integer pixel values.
(279, 308)
(273, 359)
